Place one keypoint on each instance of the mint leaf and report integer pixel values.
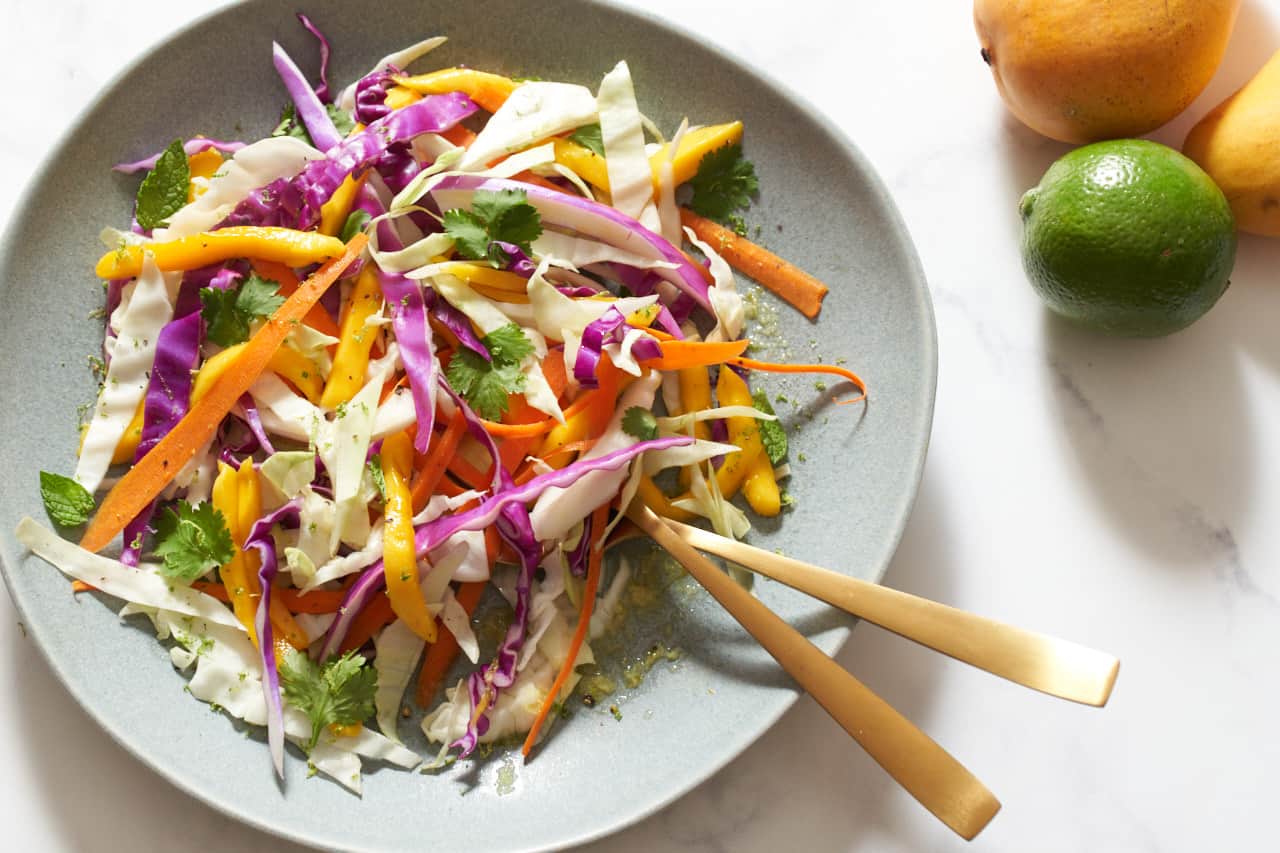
(485, 385)
(67, 502)
(640, 423)
(589, 136)
(354, 225)
(724, 183)
(228, 313)
(192, 540)
(339, 692)
(773, 436)
(164, 190)
(505, 215)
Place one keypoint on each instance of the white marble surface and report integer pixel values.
(1116, 493)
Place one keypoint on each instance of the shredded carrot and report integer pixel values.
(599, 519)
(145, 480)
(316, 601)
(799, 289)
(444, 651)
(677, 355)
(528, 177)
(81, 586)
(469, 474)
(437, 459)
(317, 317)
(771, 367)
(375, 616)
(459, 136)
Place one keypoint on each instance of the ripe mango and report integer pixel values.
(1082, 70)
(1238, 144)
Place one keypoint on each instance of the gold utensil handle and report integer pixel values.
(916, 761)
(1043, 663)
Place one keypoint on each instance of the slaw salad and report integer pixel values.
(428, 339)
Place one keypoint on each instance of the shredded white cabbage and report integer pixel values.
(535, 111)
(558, 509)
(142, 585)
(401, 59)
(248, 169)
(125, 385)
(630, 175)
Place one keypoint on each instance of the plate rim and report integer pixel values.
(744, 738)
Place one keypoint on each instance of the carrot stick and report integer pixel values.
(539, 427)
(459, 136)
(145, 480)
(444, 651)
(799, 289)
(317, 317)
(316, 601)
(771, 367)
(437, 460)
(677, 355)
(376, 615)
(598, 520)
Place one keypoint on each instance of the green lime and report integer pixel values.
(1128, 237)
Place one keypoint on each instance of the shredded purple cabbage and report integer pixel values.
(517, 261)
(411, 327)
(610, 328)
(295, 202)
(588, 218)
(371, 95)
(577, 558)
(310, 110)
(167, 400)
(191, 146)
(260, 539)
(516, 531)
(431, 534)
(455, 321)
(322, 91)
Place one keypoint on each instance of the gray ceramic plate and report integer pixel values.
(820, 205)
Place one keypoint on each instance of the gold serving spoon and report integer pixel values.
(1043, 663)
(926, 770)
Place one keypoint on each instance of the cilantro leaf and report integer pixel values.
(505, 215)
(291, 125)
(341, 119)
(520, 224)
(640, 423)
(67, 502)
(772, 434)
(224, 324)
(192, 540)
(590, 137)
(724, 183)
(508, 345)
(485, 385)
(339, 692)
(259, 297)
(379, 479)
(227, 313)
(164, 190)
(354, 225)
(468, 233)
